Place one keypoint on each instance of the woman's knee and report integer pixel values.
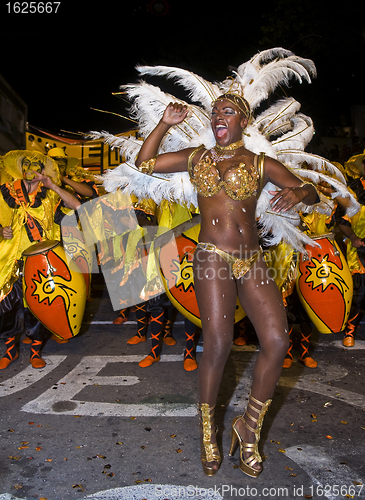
(284, 343)
(276, 344)
(217, 348)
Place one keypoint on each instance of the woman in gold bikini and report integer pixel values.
(228, 263)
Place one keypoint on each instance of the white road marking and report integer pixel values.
(325, 472)
(29, 376)
(150, 491)
(53, 400)
(312, 382)
(59, 398)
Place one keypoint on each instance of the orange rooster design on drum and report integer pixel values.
(54, 289)
(325, 286)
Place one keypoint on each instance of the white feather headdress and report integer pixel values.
(281, 131)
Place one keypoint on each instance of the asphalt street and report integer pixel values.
(93, 424)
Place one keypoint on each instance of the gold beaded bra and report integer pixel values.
(238, 182)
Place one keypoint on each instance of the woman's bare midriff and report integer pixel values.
(229, 224)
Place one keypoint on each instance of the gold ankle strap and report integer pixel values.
(261, 413)
(267, 402)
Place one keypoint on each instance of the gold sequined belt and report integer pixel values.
(238, 266)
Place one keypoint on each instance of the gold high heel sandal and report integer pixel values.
(247, 464)
(209, 451)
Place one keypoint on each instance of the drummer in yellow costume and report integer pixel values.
(354, 230)
(27, 206)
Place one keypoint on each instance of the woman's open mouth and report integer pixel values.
(220, 131)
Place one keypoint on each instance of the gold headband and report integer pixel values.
(238, 101)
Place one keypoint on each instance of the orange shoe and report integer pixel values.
(122, 317)
(288, 362)
(136, 340)
(241, 340)
(35, 357)
(119, 320)
(148, 361)
(37, 362)
(27, 340)
(5, 362)
(169, 340)
(304, 357)
(57, 339)
(348, 341)
(242, 337)
(190, 364)
(11, 354)
(308, 361)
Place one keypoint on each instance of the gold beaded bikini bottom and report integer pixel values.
(238, 266)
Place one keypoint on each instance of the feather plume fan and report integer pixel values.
(259, 77)
(281, 131)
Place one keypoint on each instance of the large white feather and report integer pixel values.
(299, 136)
(296, 158)
(200, 90)
(175, 187)
(276, 119)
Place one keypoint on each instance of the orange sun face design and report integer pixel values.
(326, 273)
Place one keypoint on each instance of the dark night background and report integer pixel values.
(64, 64)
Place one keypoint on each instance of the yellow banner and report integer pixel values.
(93, 155)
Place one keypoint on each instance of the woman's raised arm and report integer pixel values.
(168, 162)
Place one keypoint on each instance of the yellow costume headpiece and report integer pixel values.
(13, 161)
(60, 153)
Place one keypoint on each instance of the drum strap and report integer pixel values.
(33, 229)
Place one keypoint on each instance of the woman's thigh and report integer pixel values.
(262, 302)
(216, 291)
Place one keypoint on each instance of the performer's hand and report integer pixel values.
(286, 198)
(44, 179)
(174, 114)
(356, 241)
(7, 233)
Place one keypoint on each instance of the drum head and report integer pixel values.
(41, 247)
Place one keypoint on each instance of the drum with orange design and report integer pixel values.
(324, 284)
(54, 288)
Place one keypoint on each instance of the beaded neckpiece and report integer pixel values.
(217, 153)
